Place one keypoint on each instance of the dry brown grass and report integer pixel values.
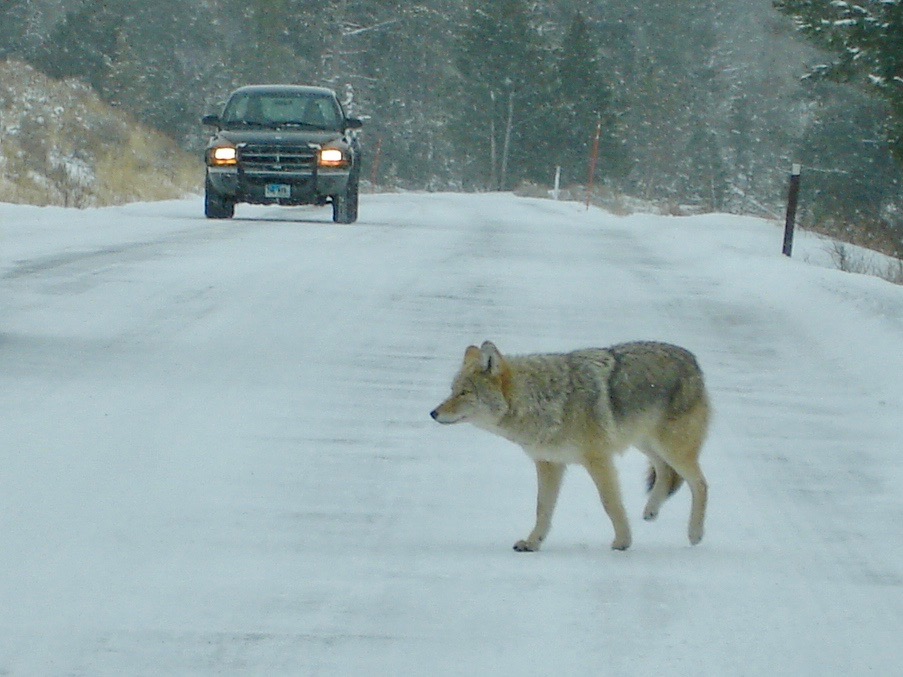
(63, 146)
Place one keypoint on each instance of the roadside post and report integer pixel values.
(792, 199)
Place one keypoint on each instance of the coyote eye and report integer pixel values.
(469, 388)
(466, 387)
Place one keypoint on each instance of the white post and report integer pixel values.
(557, 183)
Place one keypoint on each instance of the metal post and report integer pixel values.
(792, 199)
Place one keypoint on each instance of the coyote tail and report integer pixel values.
(674, 480)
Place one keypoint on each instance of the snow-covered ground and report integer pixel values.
(217, 456)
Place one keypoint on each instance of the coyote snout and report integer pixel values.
(444, 419)
(445, 414)
(584, 407)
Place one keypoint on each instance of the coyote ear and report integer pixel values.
(472, 355)
(490, 358)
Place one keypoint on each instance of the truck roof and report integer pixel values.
(276, 89)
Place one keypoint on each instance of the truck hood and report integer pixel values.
(282, 137)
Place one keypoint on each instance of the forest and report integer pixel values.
(698, 106)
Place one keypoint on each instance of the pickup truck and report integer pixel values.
(283, 145)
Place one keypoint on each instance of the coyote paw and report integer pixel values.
(526, 546)
(695, 536)
(620, 543)
(650, 514)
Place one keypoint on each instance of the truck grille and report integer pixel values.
(260, 158)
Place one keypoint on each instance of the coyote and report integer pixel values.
(584, 407)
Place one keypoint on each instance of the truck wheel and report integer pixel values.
(344, 206)
(215, 205)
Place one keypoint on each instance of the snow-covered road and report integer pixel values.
(217, 456)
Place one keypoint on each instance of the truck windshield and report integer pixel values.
(263, 109)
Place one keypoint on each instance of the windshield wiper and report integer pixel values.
(306, 125)
(244, 123)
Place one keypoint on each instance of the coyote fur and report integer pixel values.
(583, 408)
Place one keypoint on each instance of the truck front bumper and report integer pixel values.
(290, 188)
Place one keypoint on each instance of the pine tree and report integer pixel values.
(15, 38)
(83, 45)
(582, 101)
(866, 38)
(502, 85)
(402, 67)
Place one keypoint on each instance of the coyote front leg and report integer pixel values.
(548, 476)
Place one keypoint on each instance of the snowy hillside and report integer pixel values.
(218, 458)
(60, 144)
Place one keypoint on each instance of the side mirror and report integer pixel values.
(353, 123)
(210, 120)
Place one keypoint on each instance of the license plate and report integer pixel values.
(277, 190)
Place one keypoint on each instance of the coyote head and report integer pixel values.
(479, 389)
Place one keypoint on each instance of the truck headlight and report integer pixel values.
(223, 155)
(332, 157)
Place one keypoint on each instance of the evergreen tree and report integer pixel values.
(26, 24)
(15, 16)
(84, 44)
(583, 101)
(163, 51)
(669, 97)
(866, 38)
(404, 80)
(272, 31)
(502, 86)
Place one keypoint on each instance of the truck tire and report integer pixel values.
(344, 206)
(215, 205)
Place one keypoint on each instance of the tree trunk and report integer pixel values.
(507, 147)
(493, 160)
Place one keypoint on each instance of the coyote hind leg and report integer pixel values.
(679, 445)
(692, 473)
(663, 481)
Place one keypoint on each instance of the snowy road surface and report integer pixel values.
(217, 456)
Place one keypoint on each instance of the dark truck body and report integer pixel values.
(285, 145)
